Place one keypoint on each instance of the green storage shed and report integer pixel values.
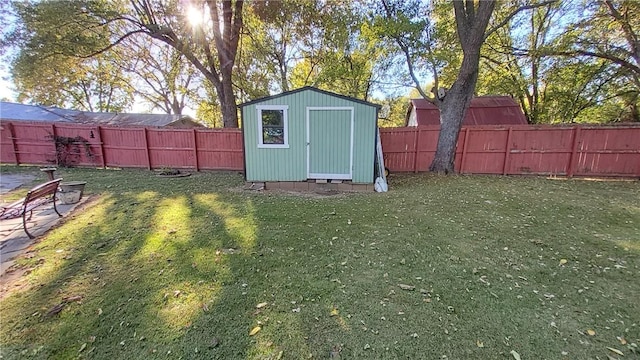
(308, 134)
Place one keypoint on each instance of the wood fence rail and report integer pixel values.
(519, 149)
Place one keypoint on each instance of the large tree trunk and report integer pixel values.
(228, 103)
(471, 21)
(452, 111)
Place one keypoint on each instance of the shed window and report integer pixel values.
(272, 126)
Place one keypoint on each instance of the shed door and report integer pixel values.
(329, 142)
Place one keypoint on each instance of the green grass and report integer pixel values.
(529, 265)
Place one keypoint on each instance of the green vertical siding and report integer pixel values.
(290, 164)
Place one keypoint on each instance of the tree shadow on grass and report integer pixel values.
(151, 280)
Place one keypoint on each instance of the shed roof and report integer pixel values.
(311, 88)
(23, 112)
(484, 110)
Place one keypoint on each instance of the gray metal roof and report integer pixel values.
(21, 112)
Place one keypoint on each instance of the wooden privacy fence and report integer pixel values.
(151, 148)
(518, 149)
(521, 149)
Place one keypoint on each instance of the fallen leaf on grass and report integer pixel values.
(515, 355)
(56, 309)
(622, 340)
(591, 332)
(334, 312)
(407, 287)
(615, 351)
(72, 298)
(563, 261)
(214, 343)
(261, 305)
(99, 311)
(255, 330)
(335, 352)
(479, 343)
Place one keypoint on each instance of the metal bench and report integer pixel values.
(38, 196)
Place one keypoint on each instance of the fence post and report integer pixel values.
(12, 135)
(195, 148)
(464, 149)
(577, 130)
(507, 154)
(416, 141)
(55, 143)
(146, 148)
(99, 136)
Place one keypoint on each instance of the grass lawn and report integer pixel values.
(462, 267)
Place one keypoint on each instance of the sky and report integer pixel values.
(6, 86)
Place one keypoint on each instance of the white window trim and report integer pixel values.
(285, 122)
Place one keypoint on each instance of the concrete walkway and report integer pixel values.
(13, 240)
(9, 182)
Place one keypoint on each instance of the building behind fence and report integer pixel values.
(522, 149)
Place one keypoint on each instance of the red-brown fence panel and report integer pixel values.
(7, 146)
(521, 150)
(399, 147)
(220, 149)
(125, 147)
(33, 143)
(151, 148)
(483, 150)
(540, 150)
(609, 152)
(84, 147)
(171, 148)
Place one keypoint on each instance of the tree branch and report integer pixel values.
(110, 46)
(506, 20)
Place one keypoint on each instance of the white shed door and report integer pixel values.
(329, 143)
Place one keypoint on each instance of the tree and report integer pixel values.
(417, 43)
(47, 72)
(290, 44)
(610, 32)
(221, 27)
(518, 60)
(162, 76)
(91, 28)
(471, 23)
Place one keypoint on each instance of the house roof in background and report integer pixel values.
(484, 110)
(22, 112)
